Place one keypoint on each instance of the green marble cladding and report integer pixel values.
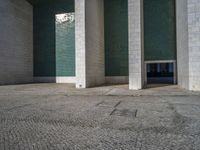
(51, 60)
(65, 49)
(116, 37)
(45, 52)
(159, 30)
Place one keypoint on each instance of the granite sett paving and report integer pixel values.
(59, 117)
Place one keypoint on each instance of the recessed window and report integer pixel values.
(160, 73)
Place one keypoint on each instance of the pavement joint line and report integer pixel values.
(113, 111)
(99, 103)
(107, 92)
(136, 113)
(117, 104)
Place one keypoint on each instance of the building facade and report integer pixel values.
(93, 42)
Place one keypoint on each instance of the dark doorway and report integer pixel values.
(160, 73)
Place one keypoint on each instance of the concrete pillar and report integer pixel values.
(136, 49)
(182, 44)
(194, 44)
(90, 67)
(80, 43)
(188, 43)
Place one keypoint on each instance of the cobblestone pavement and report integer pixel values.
(32, 118)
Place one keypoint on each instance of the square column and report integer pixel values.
(194, 44)
(89, 24)
(188, 44)
(182, 43)
(136, 46)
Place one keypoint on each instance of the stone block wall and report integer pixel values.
(80, 43)
(136, 45)
(194, 44)
(89, 43)
(116, 39)
(182, 43)
(188, 43)
(16, 42)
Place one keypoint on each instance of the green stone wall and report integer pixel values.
(45, 53)
(159, 30)
(65, 48)
(116, 37)
(57, 57)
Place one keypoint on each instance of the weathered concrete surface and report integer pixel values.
(188, 44)
(114, 90)
(45, 116)
(89, 43)
(182, 43)
(136, 45)
(194, 44)
(16, 42)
